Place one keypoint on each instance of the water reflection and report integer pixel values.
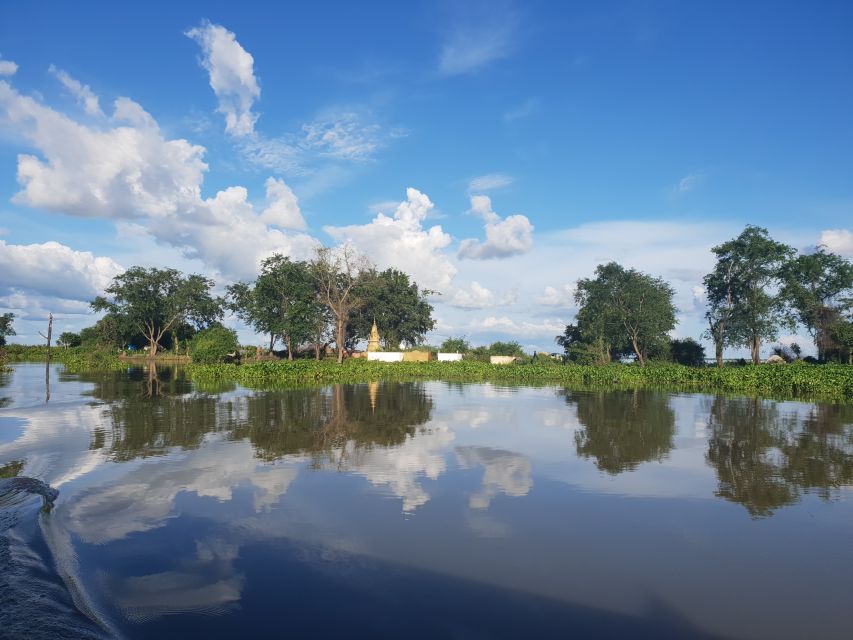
(178, 500)
(764, 458)
(623, 429)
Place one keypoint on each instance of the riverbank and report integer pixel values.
(828, 382)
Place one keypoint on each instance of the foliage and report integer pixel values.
(69, 339)
(828, 382)
(741, 309)
(455, 345)
(506, 349)
(578, 348)
(624, 306)
(213, 345)
(155, 301)
(283, 302)
(6, 328)
(398, 306)
(687, 351)
(841, 332)
(818, 287)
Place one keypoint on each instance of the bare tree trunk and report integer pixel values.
(317, 351)
(718, 351)
(755, 348)
(289, 344)
(638, 351)
(272, 341)
(341, 338)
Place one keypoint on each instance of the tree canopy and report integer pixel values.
(818, 287)
(155, 301)
(742, 308)
(6, 328)
(398, 306)
(622, 307)
(283, 302)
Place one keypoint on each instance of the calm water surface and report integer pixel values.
(418, 510)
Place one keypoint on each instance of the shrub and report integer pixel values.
(687, 352)
(212, 345)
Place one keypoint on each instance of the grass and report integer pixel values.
(828, 382)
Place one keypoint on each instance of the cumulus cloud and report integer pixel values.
(54, 269)
(479, 297)
(131, 171)
(838, 241)
(561, 296)
(489, 182)
(402, 242)
(8, 68)
(283, 210)
(505, 237)
(548, 327)
(232, 76)
(81, 92)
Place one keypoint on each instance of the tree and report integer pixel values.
(687, 352)
(283, 302)
(69, 339)
(154, 301)
(213, 345)
(506, 349)
(814, 287)
(6, 328)
(742, 311)
(456, 345)
(396, 304)
(336, 273)
(621, 305)
(841, 332)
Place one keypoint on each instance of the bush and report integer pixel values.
(212, 345)
(687, 352)
(455, 345)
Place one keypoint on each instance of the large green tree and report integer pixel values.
(818, 287)
(399, 307)
(622, 306)
(6, 328)
(156, 301)
(283, 302)
(743, 309)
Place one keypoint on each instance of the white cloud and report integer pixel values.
(343, 136)
(504, 237)
(505, 472)
(547, 328)
(81, 92)
(132, 172)
(561, 296)
(478, 297)
(472, 47)
(838, 241)
(54, 269)
(8, 68)
(232, 76)
(283, 210)
(489, 182)
(403, 243)
(688, 183)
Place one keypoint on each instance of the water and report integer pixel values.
(419, 510)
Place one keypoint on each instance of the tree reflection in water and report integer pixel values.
(622, 429)
(765, 459)
(156, 409)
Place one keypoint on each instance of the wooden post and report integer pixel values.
(48, 337)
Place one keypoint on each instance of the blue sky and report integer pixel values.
(542, 138)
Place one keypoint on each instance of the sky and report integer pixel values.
(495, 151)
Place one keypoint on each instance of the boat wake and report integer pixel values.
(39, 596)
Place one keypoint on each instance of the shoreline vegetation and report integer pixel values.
(799, 380)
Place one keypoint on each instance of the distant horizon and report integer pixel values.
(496, 152)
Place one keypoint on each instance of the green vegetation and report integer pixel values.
(213, 345)
(6, 328)
(155, 301)
(831, 382)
